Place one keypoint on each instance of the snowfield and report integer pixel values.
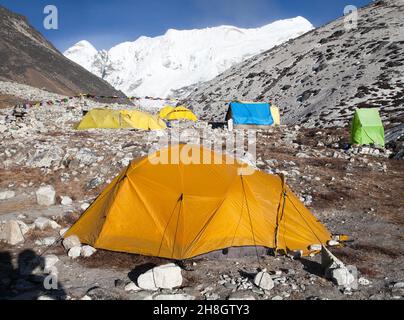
(156, 66)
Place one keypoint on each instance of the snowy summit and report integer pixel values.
(156, 66)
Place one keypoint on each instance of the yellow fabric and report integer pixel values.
(182, 210)
(165, 111)
(142, 120)
(119, 119)
(177, 113)
(276, 115)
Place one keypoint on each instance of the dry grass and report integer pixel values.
(378, 250)
(68, 219)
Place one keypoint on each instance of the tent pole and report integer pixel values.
(280, 214)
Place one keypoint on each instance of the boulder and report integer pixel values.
(46, 196)
(66, 201)
(164, 277)
(74, 252)
(24, 227)
(50, 261)
(264, 281)
(363, 281)
(63, 231)
(87, 251)
(12, 233)
(342, 277)
(85, 206)
(335, 270)
(42, 223)
(5, 195)
(72, 241)
(132, 287)
(49, 241)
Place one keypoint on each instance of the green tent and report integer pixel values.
(367, 128)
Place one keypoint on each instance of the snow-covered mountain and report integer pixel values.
(156, 66)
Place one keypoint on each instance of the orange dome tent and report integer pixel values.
(181, 210)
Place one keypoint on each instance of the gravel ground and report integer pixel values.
(356, 192)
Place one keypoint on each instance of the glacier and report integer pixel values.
(181, 58)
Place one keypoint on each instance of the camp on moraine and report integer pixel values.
(219, 152)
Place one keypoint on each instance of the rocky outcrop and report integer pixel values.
(320, 78)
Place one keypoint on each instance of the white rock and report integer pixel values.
(46, 196)
(342, 277)
(315, 247)
(49, 241)
(46, 241)
(72, 241)
(165, 277)
(63, 231)
(5, 195)
(46, 298)
(42, 223)
(132, 287)
(50, 261)
(66, 201)
(264, 281)
(333, 243)
(86, 298)
(74, 252)
(85, 206)
(302, 155)
(24, 227)
(277, 298)
(87, 251)
(12, 233)
(363, 281)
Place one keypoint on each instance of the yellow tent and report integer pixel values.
(276, 115)
(177, 113)
(184, 209)
(118, 119)
(142, 120)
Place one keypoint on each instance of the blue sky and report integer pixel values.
(106, 23)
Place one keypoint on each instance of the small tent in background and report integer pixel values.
(141, 120)
(367, 128)
(156, 207)
(276, 115)
(177, 113)
(120, 119)
(246, 115)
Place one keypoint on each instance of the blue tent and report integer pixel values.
(250, 114)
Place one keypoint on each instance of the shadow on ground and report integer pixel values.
(27, 280)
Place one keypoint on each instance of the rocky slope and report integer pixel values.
(27, 57)
(320, 78)
(155, 66)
